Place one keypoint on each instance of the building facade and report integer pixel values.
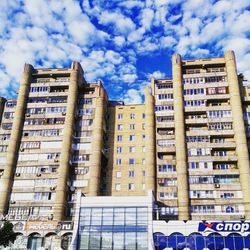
(188, 143)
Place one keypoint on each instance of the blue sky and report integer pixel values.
(122, 42)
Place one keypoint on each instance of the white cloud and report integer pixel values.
(147, 18)
(167, 41)
(157, 75)
(136, 35)
(128, 78)
(113, 57)
(122, 24)
(133, 96)
(130, 4)
(119, 40)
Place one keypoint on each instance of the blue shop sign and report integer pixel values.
(241, 227)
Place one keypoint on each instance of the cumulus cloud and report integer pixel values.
(120, 23)
(112, 38)
(133, 96)
(157, 75)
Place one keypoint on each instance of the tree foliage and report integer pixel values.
(7, 234)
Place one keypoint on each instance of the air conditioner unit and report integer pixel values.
(55, 160)
(38, 174)
(217, 185)
(18, 174)
(12, 202)
(52, 188)
(21, 149)
(27, 115)
(63, 113)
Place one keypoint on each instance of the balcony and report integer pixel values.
(228, 145)
(226, 158)
(199, 120)
(221, 132)
(165, 149)
(195, 109)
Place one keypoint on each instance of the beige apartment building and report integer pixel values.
(131, 151)
(188, 143)
(51, 146)
(201, 140)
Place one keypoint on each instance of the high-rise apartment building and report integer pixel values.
(202, 152)
(188, 143)
(131, 148)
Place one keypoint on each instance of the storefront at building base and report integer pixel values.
(200, 235)
(34, 234)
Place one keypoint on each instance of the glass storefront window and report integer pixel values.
(106, 240)
(113, 228)
(119, 216)
(83, 241)
(107, 216)
(118, 240)
(142, 240)
(130, 240)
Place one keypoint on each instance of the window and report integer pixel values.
(230, 209)
(202, 209)
(132, 126)
(30, 144)
(219, 113)
(117, 187)
(164, 107)
(118, 174)
(201, 179)
(85, 101)
(39, 89)
(3, 148)
(143, 173)
(166, 168)
(7, 126)
(86, 112)
(10, 104)
(143, 115)
(191, 103)
(144, 149)
(8, 115)
(131, 174)
(118, 161)
(168, 195)
(119, 138)
(194, 92)
(165, 118)
(131, 186)
(131, 161)
(167, 182)
(165, 96)
(164, 86)
(119, 116)
(119, 126)
(4, 137)
(131, 149)
(143, 137)
(131, 137)
(227, 195)
(83, 157)
(143, 161)
(132, 116)
(119, 150)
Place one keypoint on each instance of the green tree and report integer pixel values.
(7, 234)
